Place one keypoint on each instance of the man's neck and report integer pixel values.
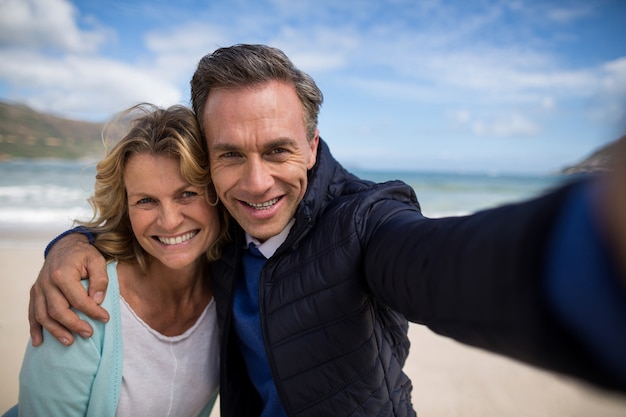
(271, 245)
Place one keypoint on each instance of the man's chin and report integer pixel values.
(261, 225)
(262, 232)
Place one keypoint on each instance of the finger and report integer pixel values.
(49, 308)
(39, 310)
(36, 333)
(65, 281)
(73, 293)
(59, 315)
(82, 302)
(98, 278)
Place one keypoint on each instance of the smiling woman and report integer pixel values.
(171, 220)
(158, 223)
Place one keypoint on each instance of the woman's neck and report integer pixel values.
(169, 301)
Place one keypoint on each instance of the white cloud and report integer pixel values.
(560, 14)
(462, 116)
(499, 72)
(176, 51)
(614, 80)
(507, 125)
(607, 104)
(188, 38)
(547, 103)
(320, 49)
(82, 86)
(42, 24)
(501, 124)
(436, 53)
(51, 64)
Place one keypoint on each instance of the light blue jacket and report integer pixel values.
(84, 379)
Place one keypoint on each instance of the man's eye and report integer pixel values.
(231, 155)
(278, 154)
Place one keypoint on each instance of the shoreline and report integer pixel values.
(28, 238)
(449, 379)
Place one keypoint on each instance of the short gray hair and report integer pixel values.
(246, 65)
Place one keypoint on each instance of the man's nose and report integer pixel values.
(258, 178)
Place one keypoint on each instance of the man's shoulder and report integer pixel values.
(367, 192)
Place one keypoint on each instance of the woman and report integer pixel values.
(157, 222)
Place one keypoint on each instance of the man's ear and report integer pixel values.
(313, 147)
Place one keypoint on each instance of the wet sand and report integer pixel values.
(449, 379)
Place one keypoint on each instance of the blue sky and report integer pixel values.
(488, 86)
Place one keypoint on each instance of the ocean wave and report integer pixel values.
(42, 194)
(14, 216)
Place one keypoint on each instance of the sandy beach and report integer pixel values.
(449, 379)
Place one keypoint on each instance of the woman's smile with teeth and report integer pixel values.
(263, 206)
(177, 240)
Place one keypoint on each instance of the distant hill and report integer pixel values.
(598, 161)
(26, 133)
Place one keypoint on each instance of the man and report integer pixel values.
(324, 268)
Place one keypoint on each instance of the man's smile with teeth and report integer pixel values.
(263, 206)
(177, 240)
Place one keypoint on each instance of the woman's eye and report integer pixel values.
(189, 194)
(187, 197)
(146, 200)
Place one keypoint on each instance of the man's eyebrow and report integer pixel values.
(224, 147)
(281, 142)
(274, 143)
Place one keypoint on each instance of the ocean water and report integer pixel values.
(43, 196)
(47, 195)
(444, 194)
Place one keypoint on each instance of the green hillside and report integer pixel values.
(600, 160)
(26, 133)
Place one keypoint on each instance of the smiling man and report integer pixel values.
(260, 154)
(324, 269)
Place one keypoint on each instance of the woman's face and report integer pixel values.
(170, 218)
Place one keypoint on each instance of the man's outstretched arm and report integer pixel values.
(613, 207)
(58, 287)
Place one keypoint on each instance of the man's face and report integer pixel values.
(259, 154)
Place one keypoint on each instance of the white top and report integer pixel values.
(168, 376)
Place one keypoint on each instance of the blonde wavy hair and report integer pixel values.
(173, 132)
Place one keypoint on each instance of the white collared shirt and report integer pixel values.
(271, 245)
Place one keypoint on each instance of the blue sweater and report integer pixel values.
(82, 380)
